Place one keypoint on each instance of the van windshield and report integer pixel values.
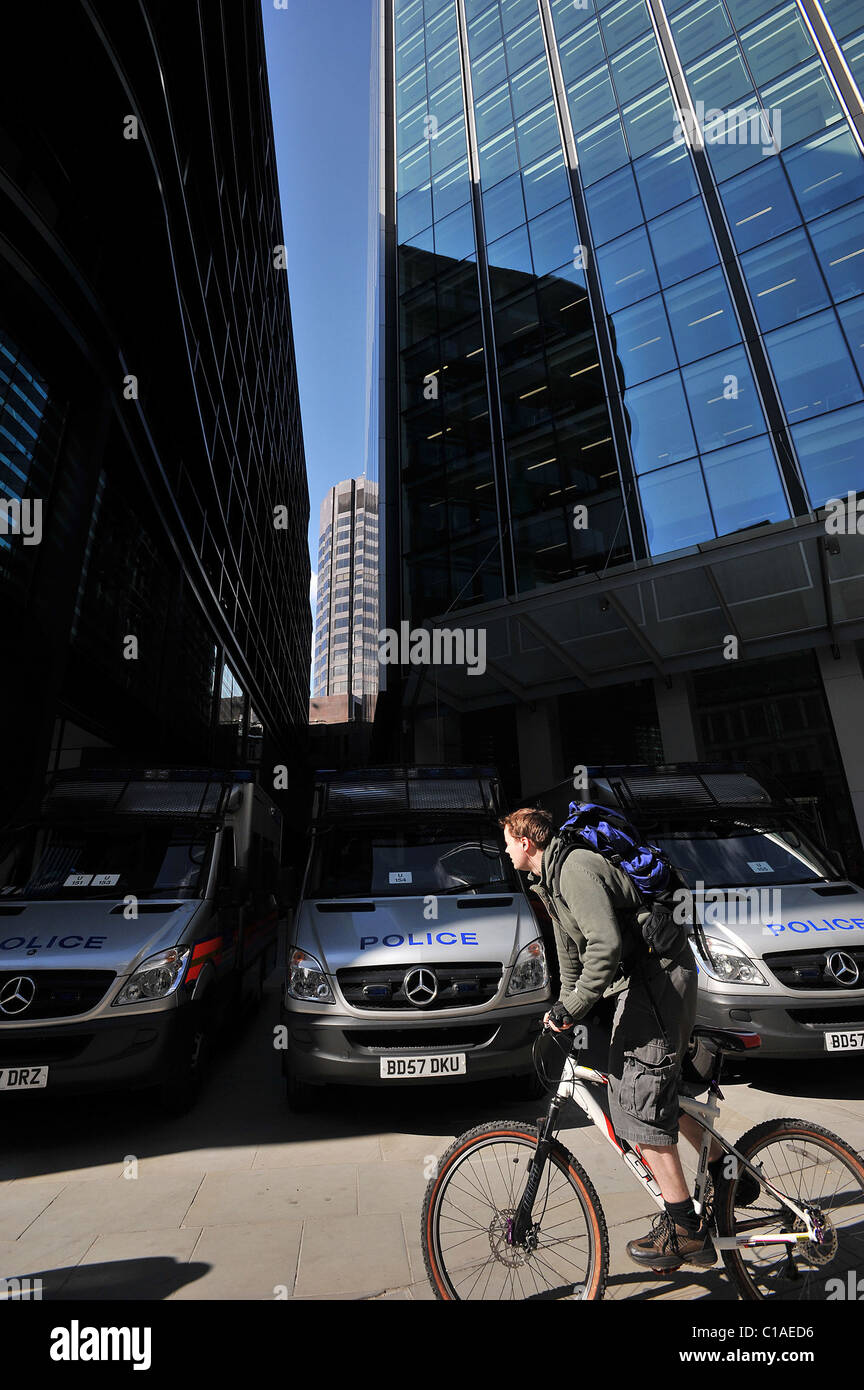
(744, 856)
(351, 861)
(76, 862)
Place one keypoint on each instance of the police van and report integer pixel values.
(781, 945)
(137, 914)
(416, 955)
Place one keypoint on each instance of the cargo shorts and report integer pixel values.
(651, 1031)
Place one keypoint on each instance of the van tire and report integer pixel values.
(181, 1091)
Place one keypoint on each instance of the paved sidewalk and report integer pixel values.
(102, 1198)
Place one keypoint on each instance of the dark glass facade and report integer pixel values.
(148, 397)
(623, 289)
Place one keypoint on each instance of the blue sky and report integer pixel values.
(319, 63)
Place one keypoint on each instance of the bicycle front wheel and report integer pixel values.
(818, 1172)
(468, 1208)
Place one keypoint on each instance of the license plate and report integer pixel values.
(438, 1064)
(23, 1078)
(852, 1041)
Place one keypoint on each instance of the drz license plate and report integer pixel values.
(437, 1064)
(23, 1078)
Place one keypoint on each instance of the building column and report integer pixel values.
(541, 757)
(677, 724)
(844, 691)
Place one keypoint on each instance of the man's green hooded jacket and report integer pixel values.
(595, 902)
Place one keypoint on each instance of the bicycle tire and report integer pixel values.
(768, 1275)
(441, 1269)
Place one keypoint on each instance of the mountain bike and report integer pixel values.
(511, 1214)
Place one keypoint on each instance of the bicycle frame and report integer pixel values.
(574, 1085)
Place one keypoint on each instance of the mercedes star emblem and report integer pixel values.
(840, 966)
(17, 995)
(420, 986)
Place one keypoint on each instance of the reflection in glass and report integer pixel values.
(613, 206)
(839, 243)
(700, 27)
(643, 342)
(554, 241)
(829, 450)
(852, 319)
(806, 101)
(723, 400)
(676, 509)
(601, 150)
(759, 204)
(660, 430)
(784, 281)
(812, 366)
(744, 486)
(826, 171)
(702, 317)
(626, 270)
(665, 178)
(682, 243)
(777, 44)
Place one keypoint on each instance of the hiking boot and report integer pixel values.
(668, 1246)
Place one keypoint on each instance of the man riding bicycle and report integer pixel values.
(655, 1010)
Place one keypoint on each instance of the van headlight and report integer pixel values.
(530, 972)
(725, 962)
(306, 980)
(156, 977)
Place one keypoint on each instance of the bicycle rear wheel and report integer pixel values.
(815, 1169)
(468, 1204)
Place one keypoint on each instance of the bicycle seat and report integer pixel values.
(725, 1040)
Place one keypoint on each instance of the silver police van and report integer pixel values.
(137, 914)
(781, 945)
(415, 955)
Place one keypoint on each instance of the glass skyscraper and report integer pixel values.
(622, 274)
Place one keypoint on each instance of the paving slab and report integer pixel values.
(362, 1254)
(98, 1208)
(245, 1262)
(20, 1206)
(276, 1194)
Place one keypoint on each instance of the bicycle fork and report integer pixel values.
(520, 1227)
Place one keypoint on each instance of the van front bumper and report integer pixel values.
(790, 1026)
(100, 1054)
(338, 1049)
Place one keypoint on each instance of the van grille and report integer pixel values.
(809, 969)
(427, 1039)
(828, 1017)
(459, 986)
(59, 993)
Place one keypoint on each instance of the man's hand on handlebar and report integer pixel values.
(558, 1019)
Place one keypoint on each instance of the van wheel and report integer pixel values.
(301, 1097)
(192, 1067)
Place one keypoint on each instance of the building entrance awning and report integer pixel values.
(772, 590)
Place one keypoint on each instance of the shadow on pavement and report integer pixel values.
(123, 1280)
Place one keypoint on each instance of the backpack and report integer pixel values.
(657, 882)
